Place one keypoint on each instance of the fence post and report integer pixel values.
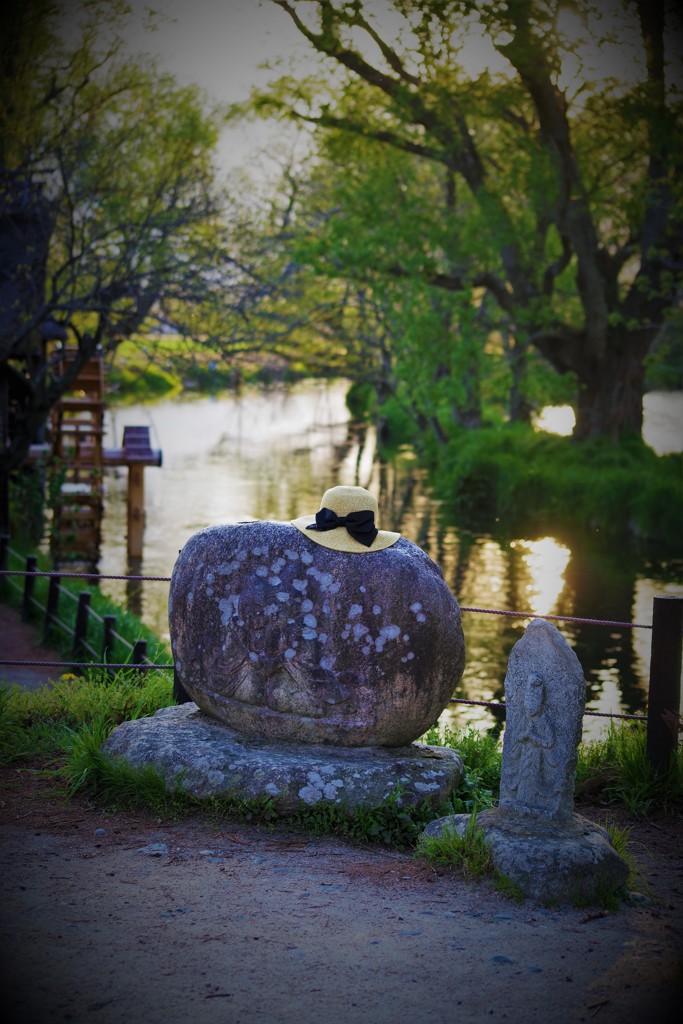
(52, 602)
(664, 696)
(108, 627)
(29, 584)
(139, 652)
(81, 629)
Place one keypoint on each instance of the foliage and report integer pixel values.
(127, 625)
(533, 202)
(620, 838)
(145, 369)
(621, 491)
(468, 852)
(482, 757)
(619, 763)
(97, 248)
(40, 721)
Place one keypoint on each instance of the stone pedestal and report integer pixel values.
(207, 758)
(552, 862)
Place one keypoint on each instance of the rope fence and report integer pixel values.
(463, 608)
(665, 668)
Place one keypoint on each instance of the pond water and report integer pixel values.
(271, 455)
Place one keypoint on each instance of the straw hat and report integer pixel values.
(347, 521)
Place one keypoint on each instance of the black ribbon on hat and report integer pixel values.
(361, 525)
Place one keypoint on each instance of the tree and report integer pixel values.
(109, 216)
(571, 193)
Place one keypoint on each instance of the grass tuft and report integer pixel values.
(469, 853)
(618, 763)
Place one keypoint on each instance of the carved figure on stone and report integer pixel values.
(545, 692)
(534, 836)
(326, 629)
(533, 754)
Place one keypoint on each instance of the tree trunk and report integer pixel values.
(610, 399)
(517, 355)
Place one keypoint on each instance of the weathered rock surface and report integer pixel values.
(552, 862)
(545, 695)
(534, 836)
(281, 638)
(206, 758)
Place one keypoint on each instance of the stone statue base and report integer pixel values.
(206, 758)
(570, 860)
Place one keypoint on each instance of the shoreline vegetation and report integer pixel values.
(616, 493)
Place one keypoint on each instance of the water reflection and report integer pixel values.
(272, 455)
(545, 561)
(662, 420)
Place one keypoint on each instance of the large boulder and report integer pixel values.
(284, 639)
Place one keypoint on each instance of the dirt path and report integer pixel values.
(119, 918)
(20, 641)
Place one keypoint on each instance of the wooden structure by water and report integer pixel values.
(76, 434)
(136, 453)
(76, 442)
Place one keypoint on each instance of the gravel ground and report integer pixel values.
(121, 918)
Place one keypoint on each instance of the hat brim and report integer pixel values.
(340, 539)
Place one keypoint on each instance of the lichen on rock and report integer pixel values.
(281, 638)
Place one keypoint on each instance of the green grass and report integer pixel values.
(39, 722)
(482, 755)
(67, 724)
(619, 765)
(127, 624)
(469, 853)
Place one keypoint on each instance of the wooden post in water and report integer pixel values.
(136, 508)
(664, 698)
(136, 453)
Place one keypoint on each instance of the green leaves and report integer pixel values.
(542, 172)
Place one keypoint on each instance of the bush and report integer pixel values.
(538, 481)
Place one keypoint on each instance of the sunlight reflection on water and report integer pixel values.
(271, 455)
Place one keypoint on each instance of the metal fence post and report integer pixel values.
(29, 584)
(81, 626)
(664, 697)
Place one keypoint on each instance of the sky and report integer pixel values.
(222, 46)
